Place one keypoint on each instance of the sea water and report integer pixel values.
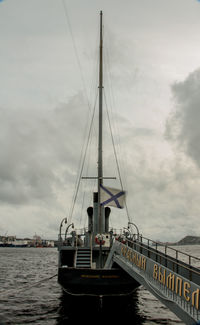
(29, 294)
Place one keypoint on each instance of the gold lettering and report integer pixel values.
(179, 282)
(90, 276)
(128, 254)
(155, 272)
(124, 250)
(134, 258)
(162, 276)
(143, 266)
(131, 256)
(170, 281)
(138, 261)
(195, 299)
(186, 287)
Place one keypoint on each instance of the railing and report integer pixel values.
(177, 291)
(155, 245)
(144, 246)
(64, 236)
(168, 250)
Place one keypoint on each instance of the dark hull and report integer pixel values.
(100, 310)
(97, 282)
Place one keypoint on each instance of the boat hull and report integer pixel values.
(98, 282)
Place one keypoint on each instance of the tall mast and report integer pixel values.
(100, 150)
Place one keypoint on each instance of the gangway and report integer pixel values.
(174, 280)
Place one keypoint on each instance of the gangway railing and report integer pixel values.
(169, 250)
(173, 281)
(182, 263)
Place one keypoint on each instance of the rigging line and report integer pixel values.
(115, 153)
(84, 188)
(82, 79)
(77, 56)
(88, 183)
(79, 166)
(112, 138)
(79, 178)
(76, 52)
(113, 101)
(95, 69)
(81, 73)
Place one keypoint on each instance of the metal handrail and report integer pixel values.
(168, 247)
(83, 231)
(166, 257)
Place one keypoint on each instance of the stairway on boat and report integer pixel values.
(83, 258)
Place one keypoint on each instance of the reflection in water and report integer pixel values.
(109, 309)
(45, 304)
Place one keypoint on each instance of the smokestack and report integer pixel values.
(107, 214)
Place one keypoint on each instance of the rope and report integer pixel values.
(85, 186)
(18, 290)
(115, 153)
(75, 50)
(98, 295)
(82, 156)
(83, 162)
(113, 100)
(112, 105)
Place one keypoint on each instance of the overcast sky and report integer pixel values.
(48, 84)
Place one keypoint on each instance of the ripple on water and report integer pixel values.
(45, 303)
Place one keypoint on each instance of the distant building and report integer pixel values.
(37, 241)
(50, 243)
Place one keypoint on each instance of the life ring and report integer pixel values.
(99, 241)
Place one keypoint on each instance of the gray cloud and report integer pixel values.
(41, 140)
(183, 125)
(38, 150)
(39, 163)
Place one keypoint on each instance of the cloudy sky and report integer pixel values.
(48, 87)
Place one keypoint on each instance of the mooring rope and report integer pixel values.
(99, 295)
(9, 292)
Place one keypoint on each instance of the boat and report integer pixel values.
(83, 254)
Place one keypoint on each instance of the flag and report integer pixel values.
(112, 197)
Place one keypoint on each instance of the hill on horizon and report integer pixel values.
(189, 240)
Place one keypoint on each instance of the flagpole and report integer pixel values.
(100, 144)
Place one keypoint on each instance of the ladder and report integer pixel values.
(83, 258)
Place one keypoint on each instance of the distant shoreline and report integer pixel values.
(187, 240)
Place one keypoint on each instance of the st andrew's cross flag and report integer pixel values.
(112, 197)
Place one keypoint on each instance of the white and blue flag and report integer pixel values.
(112, 197)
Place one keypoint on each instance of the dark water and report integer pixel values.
(21, 302)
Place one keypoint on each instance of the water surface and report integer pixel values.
(23, 302)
